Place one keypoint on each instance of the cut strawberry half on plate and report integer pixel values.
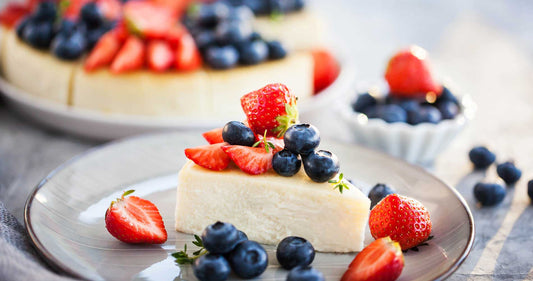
(130, 57)
(214, 136)
(160, 55)
(148, 19)
(104, 52)
(381, 260)
(326, 69)
(188, 57)
(251, 160)
(132, 219)
(210, 156)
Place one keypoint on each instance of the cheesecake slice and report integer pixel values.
(269, 207)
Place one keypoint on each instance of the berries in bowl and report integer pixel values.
(416, 118)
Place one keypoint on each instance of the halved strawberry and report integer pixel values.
(148, 19)
(104, 52)
(130, 57)
(213, 136)
(135, 220)
(160, 55)
(278, 143)
(381, 260)
(179, 6)
(111, 9)
(187, 55)
(326, 69)
(251, 160)
(175, 34)
(210, 156)
(13, 12)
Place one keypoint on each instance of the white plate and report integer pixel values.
(65, 214)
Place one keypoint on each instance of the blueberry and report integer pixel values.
(530, 189)
(69, 47)
(242, 237)
(302, 138)
(93, 36)
(363, 101)
(390, 113)
(446, 96)
(305, 273)
(295, 251)
(298, 5)
(205, 39)
(489, 194)
(255, 36)
(321, 165)
(481, 157)
(248, 260)
(241, 13)
(222, 57)
(233, 32)
(46, 11)
(92, 15)
(236, 133)
(254, 52)
(209, 15)
(22, 26)
(509, 173)
(38, 34)
(378, 192)
(259, 7)
(448, 109)
(286, 163)
(276, 50)
(66, 27)
(426, 114)
(211, 267)
(408, 105)
(220, 238)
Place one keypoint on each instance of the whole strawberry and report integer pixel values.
(404, 219)
(409, 75)
(271, 109)
(135, 220)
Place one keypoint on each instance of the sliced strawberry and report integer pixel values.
(326, 69)
(210, 156)
(112, 9)
(188, 57)
(381, 260)
(148, 19)
(104, 52)
(160, 55)
(278, 143)
(12, 13)
(179, 6)
(121, 31)
(135, 220)
(175, 34)
(213, 136)
(130, 57)
(251, 160)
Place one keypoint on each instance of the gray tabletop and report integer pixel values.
(485, 47)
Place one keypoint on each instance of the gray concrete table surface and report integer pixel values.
(485, 47)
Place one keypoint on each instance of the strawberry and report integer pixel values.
(381, 260)
(13, 12)
(402, 218)
(326, 69)
(160, 55)
(213, 136)
(104, 52)
(176, 5)
(278, 143)
(187, 55)
(409, 75)
(112, 9)
(251, 160)
(130, 57)
(271, 109)
(210, 156)
(135, 220)
(174, 35)
(148, 19)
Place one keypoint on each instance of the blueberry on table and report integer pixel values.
(530, 189)
(276, 50)
(295, 251)
(69, 47)
(481, 157)
(321, 166)
(489, 194)
(220, 238)
(248, 259)
(306, 273)
(211, 267)
(425, 114)
(236, 133)
(91, 15)
(448, 109)
(364, 101)
(46, 12)
(378, 192)
(222, 57)
(509, 173)
(254, 52)
(286, 163)
(38, 34)
(302, 138)
(233, 32)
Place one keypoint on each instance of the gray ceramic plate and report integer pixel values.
(65, 214)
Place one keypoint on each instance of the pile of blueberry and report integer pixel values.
(228, 249)
(269, 7)
(412, 111)
(67, 40)
(225, 36)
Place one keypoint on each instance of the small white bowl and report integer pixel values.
(418, 144)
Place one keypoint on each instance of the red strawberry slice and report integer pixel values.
(381, 260)
(135, 220)
(271, 109)
(409, 75)
(111, 9)
(251, 160)
(148, 19)
(210, 156)
(130, 57)
(402, 218)
(326, 69)
(214, 136)
(188, 57)
(160, 55)
(175, 34)
(278, 143)
(12, 13)
(179, 6)
(104, 52)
